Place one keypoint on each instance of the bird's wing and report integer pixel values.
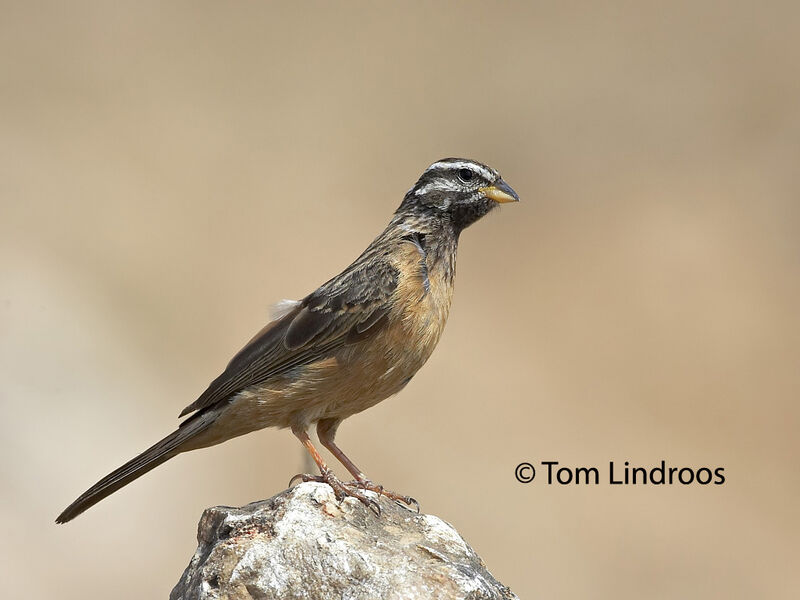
(346, 309)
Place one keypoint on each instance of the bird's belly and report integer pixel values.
(355, 378)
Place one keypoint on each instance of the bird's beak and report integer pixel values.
(500, 192)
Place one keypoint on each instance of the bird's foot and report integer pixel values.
(366, 484)
(341, 489)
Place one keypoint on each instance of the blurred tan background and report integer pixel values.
(169, 171)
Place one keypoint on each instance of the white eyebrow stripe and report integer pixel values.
(462, 164)
(439, 185)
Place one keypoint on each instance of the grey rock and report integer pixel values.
(302, 543)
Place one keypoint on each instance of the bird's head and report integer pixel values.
(457, 190)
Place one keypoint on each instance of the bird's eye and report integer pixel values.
(465, 175)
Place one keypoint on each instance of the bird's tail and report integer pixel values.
(133, 469)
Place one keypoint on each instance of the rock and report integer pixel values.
(302, 543)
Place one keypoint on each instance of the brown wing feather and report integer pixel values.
(346, 309)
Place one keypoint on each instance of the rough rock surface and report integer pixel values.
(302, 543)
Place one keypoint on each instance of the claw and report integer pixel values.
(351, 488)
(409, 502)
(342, 490)
(306, 477)
(366, 484)
(374, 507)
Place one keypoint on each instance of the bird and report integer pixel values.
(356, 340)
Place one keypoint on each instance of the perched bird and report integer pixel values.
(356, 340)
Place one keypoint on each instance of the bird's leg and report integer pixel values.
(340, 489)
(326, 431)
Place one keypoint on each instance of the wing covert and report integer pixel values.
(347, 309)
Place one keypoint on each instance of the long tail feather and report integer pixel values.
(133, 469)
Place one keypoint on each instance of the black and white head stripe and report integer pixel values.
(446, 175)
(456, 192)
(456, 164)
